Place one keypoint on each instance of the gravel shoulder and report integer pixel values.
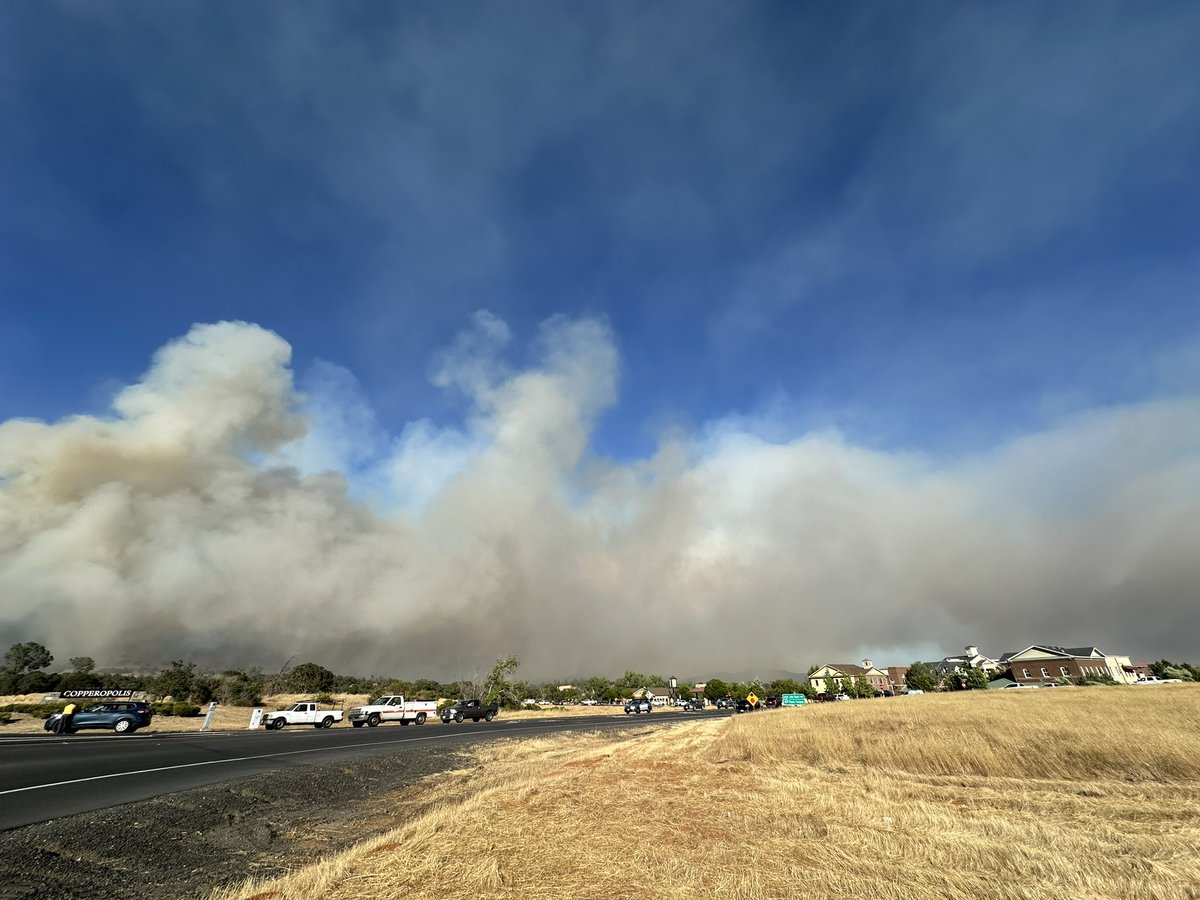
(186, 844)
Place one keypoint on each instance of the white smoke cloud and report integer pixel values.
(220, 516)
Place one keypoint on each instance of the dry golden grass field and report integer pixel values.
(233, 718)
(1046, 795)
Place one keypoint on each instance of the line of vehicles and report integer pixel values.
(127, 717)
(389, 708)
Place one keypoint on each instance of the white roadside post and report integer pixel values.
(255, 719)
(212, 711)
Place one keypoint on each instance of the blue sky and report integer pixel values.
(927, 225)
(685, 312)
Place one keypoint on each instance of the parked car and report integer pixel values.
(469, 709)
(637, 707)
(124, 717)
(308, 712)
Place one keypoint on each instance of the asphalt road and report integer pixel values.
(43, 778)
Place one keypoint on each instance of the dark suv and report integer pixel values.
(123, 717)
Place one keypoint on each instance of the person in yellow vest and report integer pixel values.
(68, 718)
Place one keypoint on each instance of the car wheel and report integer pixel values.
(357, 724)
(458, 717)
(488, 716)
(327, 722)
(123, 726)
(420, 718)
(280, 723)
(373, 719)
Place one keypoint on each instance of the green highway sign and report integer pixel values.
(794, 699)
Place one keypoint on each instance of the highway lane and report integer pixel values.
(43, 778)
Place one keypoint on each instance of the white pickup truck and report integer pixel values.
(393, 708)
(306, 713)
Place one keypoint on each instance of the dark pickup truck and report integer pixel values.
(469, 709)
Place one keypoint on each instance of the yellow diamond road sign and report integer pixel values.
(752, 699)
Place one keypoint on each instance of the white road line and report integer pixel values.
(217, 762)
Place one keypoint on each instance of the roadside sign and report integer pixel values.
(752, 698)
(212, 711)
(794, 699)
(256, 718)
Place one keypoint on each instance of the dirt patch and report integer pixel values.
(185, 844)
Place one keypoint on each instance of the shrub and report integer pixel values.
(185, 709)
(40, 710)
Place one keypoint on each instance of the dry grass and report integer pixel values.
(1051, 795)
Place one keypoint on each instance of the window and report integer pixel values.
(1063, 669)
(1024, 673)
(1045, 672)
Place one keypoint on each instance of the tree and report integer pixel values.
(428, 689)
(632, 681)
(241, 688)
(782, 686)
(921, 677)
(861, 687)
(1165, 669)
(975, 680)
(176, 681)
(596, 687)
(498, 688)
(27, 657)
(84, 665)
(310, 678)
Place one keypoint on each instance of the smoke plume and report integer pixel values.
(219, 516)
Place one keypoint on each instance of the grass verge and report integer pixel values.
(1050, 795)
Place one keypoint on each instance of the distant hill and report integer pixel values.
(763, 675)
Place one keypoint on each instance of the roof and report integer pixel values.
(1055, 650)
(844, 668)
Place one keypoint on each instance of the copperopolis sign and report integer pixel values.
(94, 694)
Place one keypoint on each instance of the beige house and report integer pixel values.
(827, 679)
(658, 694)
